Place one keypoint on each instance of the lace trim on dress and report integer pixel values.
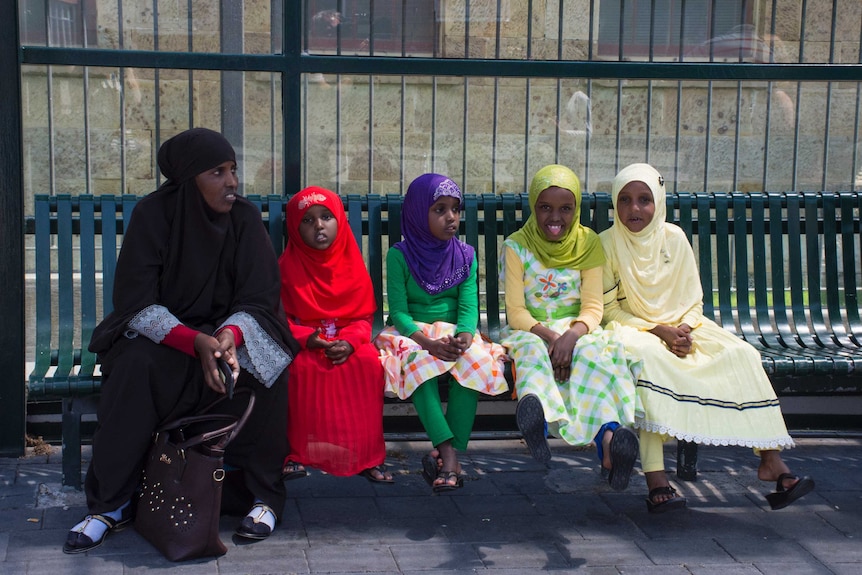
(153, 322)
(776, 443)
(260, 355)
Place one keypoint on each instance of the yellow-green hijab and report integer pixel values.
(580, 248)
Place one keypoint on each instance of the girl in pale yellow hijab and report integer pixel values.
(696, 381)
(568, 373)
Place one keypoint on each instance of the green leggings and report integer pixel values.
(457, 423)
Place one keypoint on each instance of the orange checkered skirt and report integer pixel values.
(406, 365)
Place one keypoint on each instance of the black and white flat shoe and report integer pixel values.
(77, 541)
(253, 526)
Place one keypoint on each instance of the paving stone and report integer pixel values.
(684, 551)
(350, 558)
(437, 557)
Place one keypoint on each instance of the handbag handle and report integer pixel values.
(228, 431)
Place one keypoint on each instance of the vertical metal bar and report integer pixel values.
(854, 162)
(679, 101)
(528, 97)
(466, 97)
(465, 133)
(495, 122)
(232, 110)
(559, 104)
(620, 55)
(291, 95)
(736, 138)
(370, 131)
(402, 155)
(433, 130)
(52, 144)
(403, 28)
(191, 73)
(466, 29)
(825, 176)
(88, 162)
(274, 48)
(589, 127)
(796, 129)
(708, 139)
(769, 89)
(339, 27)
(370, 29)
(12, 424)
(648, 142)
(157, 120)
(121, 76)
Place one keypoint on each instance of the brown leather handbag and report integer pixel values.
(181, 488)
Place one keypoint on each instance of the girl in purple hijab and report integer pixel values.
(432, 327)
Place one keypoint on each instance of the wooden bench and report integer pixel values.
(779, 270)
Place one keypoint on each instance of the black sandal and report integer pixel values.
(293, 470)
(447, 476)
(370, 476)
(624, 452)
(530, 417)
(784, 497)
(675, 502)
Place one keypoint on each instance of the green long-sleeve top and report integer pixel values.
(409, 303)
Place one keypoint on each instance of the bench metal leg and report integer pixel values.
(686, 460)
(73, 409)
(71, 444)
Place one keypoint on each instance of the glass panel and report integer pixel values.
(97, 130)
(231, 26)
(389, 27)
(378, 133)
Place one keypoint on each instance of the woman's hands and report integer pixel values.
(209, 349)
(336, 350)
(678, 339)
(447, 348)
(561, 347)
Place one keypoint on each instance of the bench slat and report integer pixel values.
(850, 257)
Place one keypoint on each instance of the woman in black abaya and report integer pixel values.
(196, 280)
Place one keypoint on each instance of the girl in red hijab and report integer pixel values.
(335, 396)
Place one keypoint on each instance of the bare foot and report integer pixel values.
(772, 466)
(606, 449)
(449, 464)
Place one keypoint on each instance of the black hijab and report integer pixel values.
(201, 265)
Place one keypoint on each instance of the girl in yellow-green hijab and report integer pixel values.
(568, 372)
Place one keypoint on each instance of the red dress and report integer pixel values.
(335, 412)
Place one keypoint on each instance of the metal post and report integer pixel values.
(232, 109)
(12, 396)
(291, 96)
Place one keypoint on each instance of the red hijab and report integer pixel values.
(323, 284)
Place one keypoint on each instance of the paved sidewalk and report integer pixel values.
(513, 516)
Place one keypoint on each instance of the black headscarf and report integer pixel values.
(201, 265)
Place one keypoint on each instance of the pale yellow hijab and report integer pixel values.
(580, 248)
(656, 265)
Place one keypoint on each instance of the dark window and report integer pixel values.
(58, 22)
(391, 26)
(696, 29)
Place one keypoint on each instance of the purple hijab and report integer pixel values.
(435, 265)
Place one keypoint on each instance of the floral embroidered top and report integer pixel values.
(537, 294)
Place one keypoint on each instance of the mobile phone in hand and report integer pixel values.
(226, 376)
